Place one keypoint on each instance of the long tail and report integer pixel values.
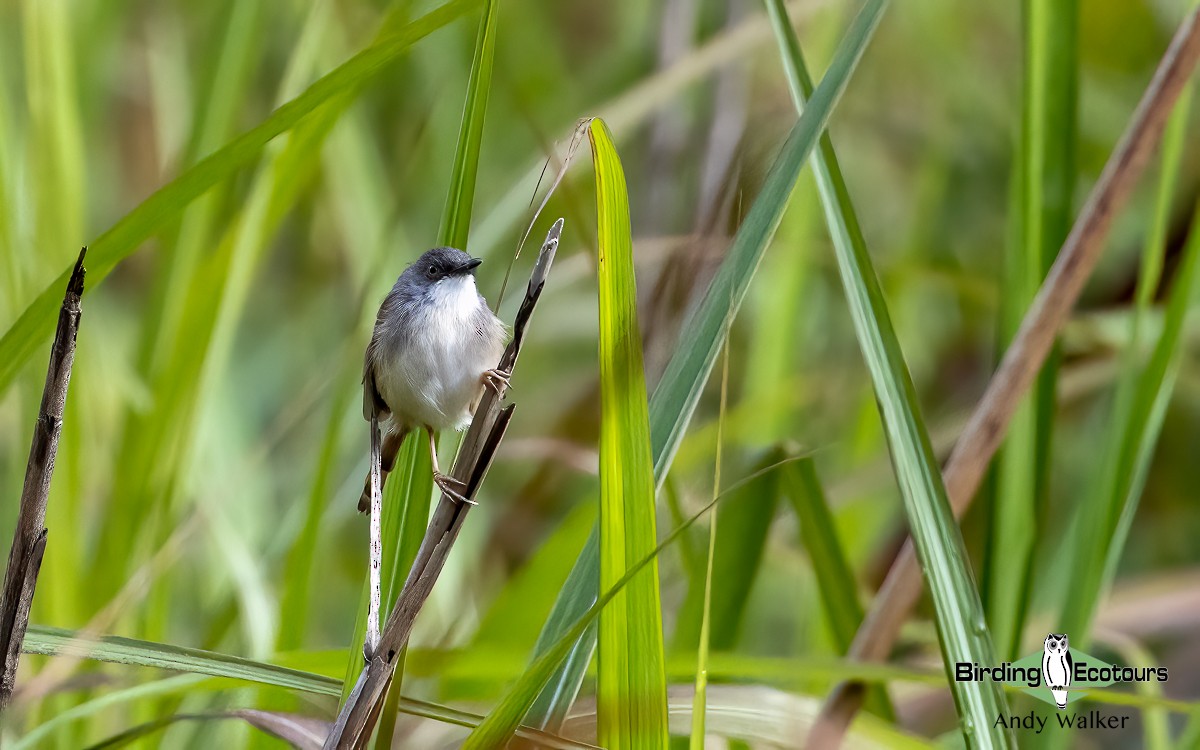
(1060, 697)
(392, 440)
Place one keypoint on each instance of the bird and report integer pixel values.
(1057, 667)
(435, 346)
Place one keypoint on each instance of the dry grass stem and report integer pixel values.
(29, 537)
(1021, 363)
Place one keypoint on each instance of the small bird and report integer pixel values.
(435, 347)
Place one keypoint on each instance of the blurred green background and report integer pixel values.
(214, 447)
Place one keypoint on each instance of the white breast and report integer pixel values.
(434, 378)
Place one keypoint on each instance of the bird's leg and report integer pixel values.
(496, 379)
(446, 483)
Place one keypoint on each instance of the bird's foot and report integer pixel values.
(452, 487)
(497, 380)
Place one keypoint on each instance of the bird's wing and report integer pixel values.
(372, 400)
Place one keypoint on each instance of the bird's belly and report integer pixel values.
(435, 380)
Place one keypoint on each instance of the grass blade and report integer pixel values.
(738, 555)
(1141, 397)
(1138, 414)
(58, 642)
(700, 698)
(500, 724)
(408, 494)
(675, 398)
(961, 628)
(167, 203)
(631, 681)
(1045, 176)
(835, 579)
(456, 219)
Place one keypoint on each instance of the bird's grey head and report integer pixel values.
(438, 264)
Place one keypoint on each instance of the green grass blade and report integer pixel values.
(407, 497)
(674, 399)
(631, 683)
(1138, 414)
(58, 642)
(500, 724)
(835, 578)
(689, 368)
(1045, 176)
(297, 584)
(700, 696)
(738, 557)
(961, 628)
(456, 219)
(576, 595)
(20, 342)
(41, 734)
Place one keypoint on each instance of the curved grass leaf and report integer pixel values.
(631, 682)
(58, 642)
(962, 630)
(167, 203)
(675, 398)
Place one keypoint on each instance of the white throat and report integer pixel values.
(455, 296)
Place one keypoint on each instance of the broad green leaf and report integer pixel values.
(631, 684)
(962, 629)
(674, 399)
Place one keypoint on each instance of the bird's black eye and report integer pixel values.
(431, 271)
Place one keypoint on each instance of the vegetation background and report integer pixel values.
(214, 447)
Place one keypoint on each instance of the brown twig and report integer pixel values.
(1021, 363)
(358, 716)
(29, 537)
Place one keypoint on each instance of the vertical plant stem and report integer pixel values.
(376, 539)
(699, 700)
(29, 536)
(1045, 175)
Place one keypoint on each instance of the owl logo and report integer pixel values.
(1057, 667)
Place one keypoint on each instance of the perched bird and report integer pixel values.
(434, 348)
(1057, 667)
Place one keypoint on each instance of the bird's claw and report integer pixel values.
(452, 487)
(497, 380)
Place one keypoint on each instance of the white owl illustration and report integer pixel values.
(1057, 667)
